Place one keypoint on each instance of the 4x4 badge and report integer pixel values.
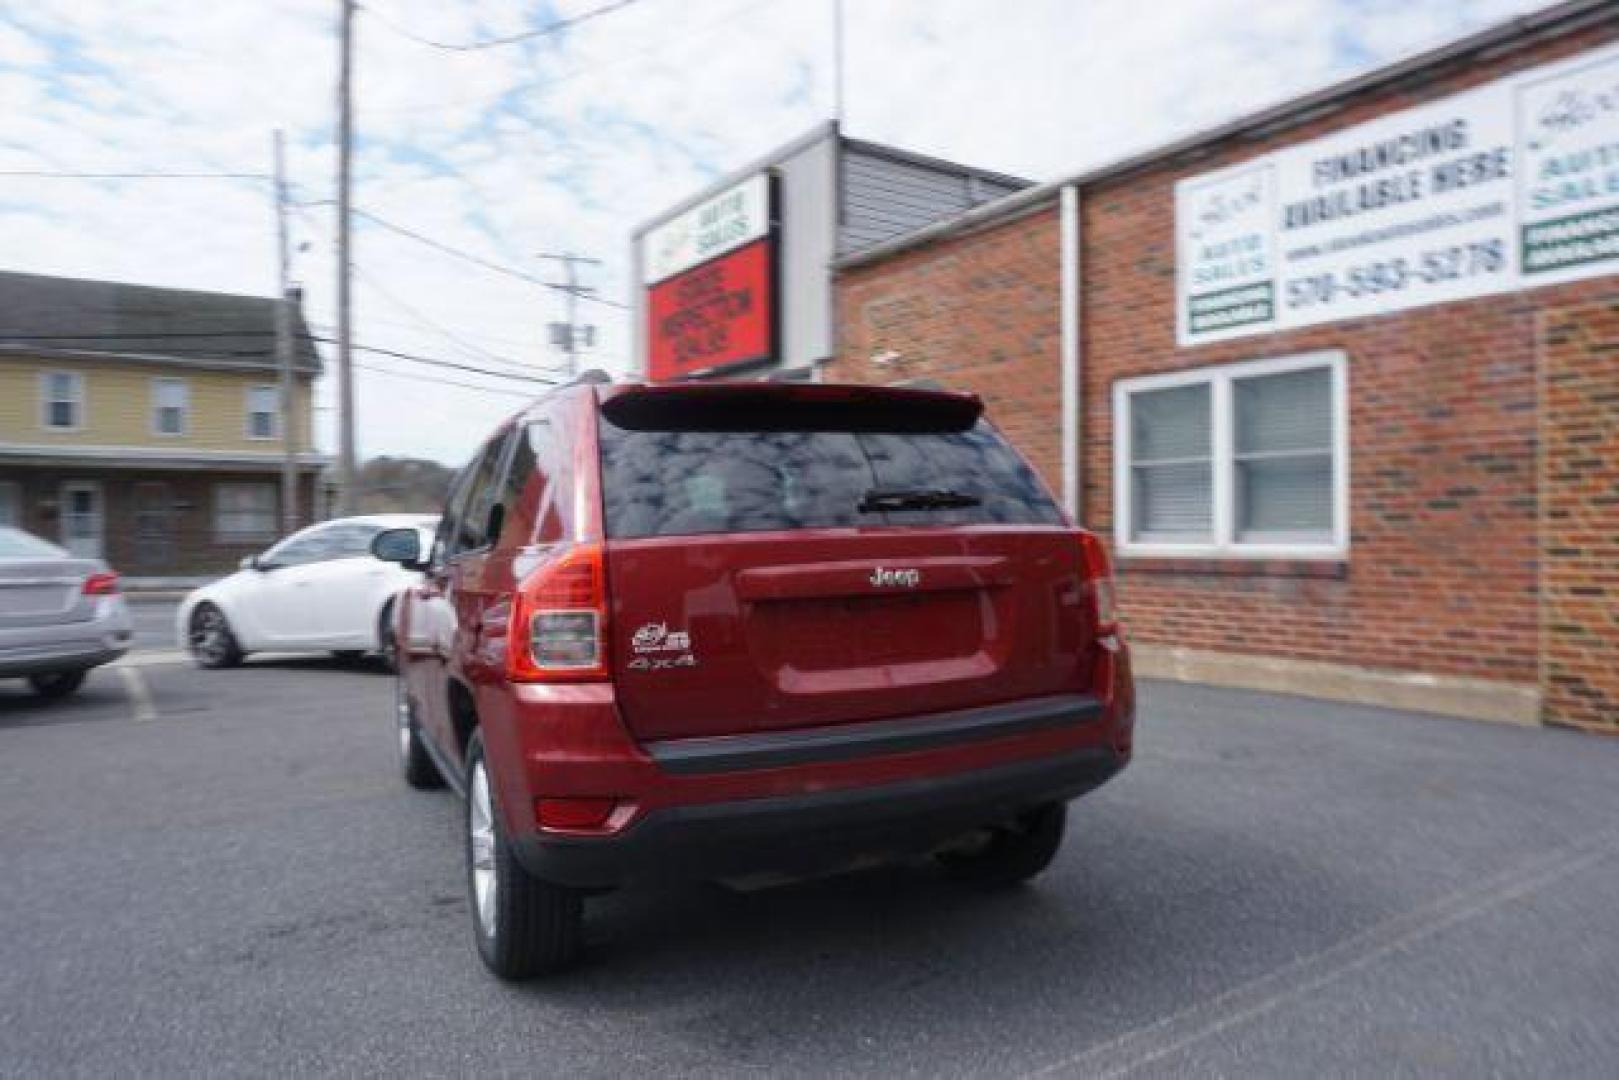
(657, 647)
(661, 663)
(657, 637)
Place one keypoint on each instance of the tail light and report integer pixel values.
(1098, 574)
(102, 583)
(558, 631)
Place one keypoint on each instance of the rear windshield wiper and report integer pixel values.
(879, 499)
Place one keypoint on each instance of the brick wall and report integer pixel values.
(1580, 514)
(1444, 568)
(1443, 572)
(976, 313)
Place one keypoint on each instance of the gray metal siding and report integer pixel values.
(886, 197)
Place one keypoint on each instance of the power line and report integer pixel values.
(420, 318)
(266, 354)
(435, 362)
(430, 324)
(139, 335)
(510, 39)
(620, 59)
(476, 260)
(414, 377)
(424, 321)
(63, 174)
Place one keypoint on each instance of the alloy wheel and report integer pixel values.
(402, 716)
(209, 637)
(481, 837)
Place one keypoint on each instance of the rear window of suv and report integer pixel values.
(810, 475)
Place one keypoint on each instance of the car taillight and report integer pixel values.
(104, 583)
(558, 631)
(1098, 574)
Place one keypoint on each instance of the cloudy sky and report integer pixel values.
(566, 142)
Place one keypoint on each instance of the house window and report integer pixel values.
(171, 403)
(244, 512)
(1246, 459)
(62, 400)
(263, 412)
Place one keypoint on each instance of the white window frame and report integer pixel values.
(157, 407)
(1223, 542)
(271, 527)
(80, 405)
(248, 412)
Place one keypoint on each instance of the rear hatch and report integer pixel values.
(783, 557)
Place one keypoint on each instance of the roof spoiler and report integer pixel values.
(756, 406)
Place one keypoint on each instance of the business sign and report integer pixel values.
(1569, 176)
(719, 315)
(1509, 185)
(736, 216)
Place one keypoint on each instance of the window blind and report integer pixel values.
(1172, 473)
(1283, 435)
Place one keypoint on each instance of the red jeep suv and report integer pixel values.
(724, 629)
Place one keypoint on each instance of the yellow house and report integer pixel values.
(145, 425)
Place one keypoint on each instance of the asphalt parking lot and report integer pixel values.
(220, 873)
(153, 623)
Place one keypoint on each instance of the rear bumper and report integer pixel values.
(74, 646)
(811, 799)
(814, 829)
(798, 800)
(59, 656)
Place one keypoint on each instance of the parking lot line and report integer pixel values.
(139, 693)
(151, 658)
(1135, 1050)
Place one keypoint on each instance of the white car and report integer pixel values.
(319, 590)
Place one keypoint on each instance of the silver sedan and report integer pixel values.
(60, 616)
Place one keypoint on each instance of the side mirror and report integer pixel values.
(249, 562)
(402, 546)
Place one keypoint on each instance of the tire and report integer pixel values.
(56, 684)
(387, 644)
(414, 762)
(209, 636)
(1010, 854)
(523, 926)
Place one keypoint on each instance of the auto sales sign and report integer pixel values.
(710, 284)
(1506, 186)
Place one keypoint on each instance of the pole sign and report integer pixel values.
(711, 298)
(1506, 186)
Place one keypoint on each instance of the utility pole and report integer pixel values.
(570, 333)
(837, 62)
(345, 371)
(284, 311)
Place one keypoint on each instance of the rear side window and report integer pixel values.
(16, 544)
(678, 483)
(483, 489)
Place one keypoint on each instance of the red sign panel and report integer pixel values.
(716, 315)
